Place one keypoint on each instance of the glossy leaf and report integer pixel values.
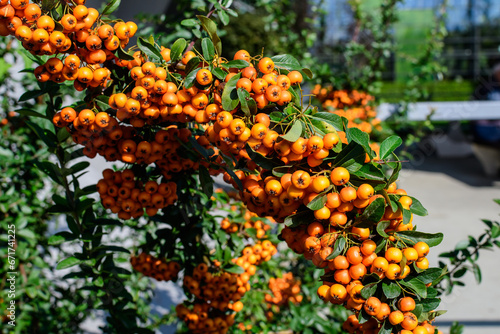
(294, 133)
(149, 49)
(211, 28)
(230, 98)
(68, 263)
(338, 248)
(177, 49)
(111, 7)
(391, 290)
(388, 146)
(412, 237)
(208, 49)
(372, 213)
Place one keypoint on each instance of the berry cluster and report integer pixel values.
(201, 318)
(159, 269)
(80, 34)
(284, 289)
(250, 222)
(122, 193)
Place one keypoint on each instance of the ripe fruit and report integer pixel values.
(422, 249)
(406, 304)
(339, 176)
(372, 306)
(396, 317)
(338, 294)
(393, 255)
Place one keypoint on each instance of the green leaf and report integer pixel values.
(48, 5)
(31, 94)
(360, 137)
(276, 116)
(6, 152)
(233, 269)
(352, 157)
(381, 228)
(191, 78)
(224, 17)
(418, 312)
(372, 213)
(412, 237)
(281, 170)
(294, 133)
(406, 216)
(78, 167)
(26, 234)
(51, 170)
(431, 274)
(206, 181)
(121, 54)
(230, 98)
(395, 172)
(388, 146)
(56, 240)
(211, 28)
(177, 49)
(68, 262)
(327, 122)
(430, 304)
(380, 245)
(417, 207)
(416, 286)
(208, 49)
(369, 290)
(387, 328)
(219, 73)
(189, 23)
(111, 7)
(300, 218)
(192, 66)
(318, 202)
(30, 113)
(391, 290)
(338, 248)
(477, 272)
(456, 328)
(368, 172)
(31, 291)
(290, 63)
(238, 63)
(248, 104)
(149, 49)
(363, 316)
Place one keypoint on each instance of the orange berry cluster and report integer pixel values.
(80, 33)
(122, 193)
(201, 318)
(284, 289)
(406, 320)
(219, 293)
(254, 255)
(354, 105)
(260, 227)
(102, 134)
(159, 269)
(342, 284)
(218, 290)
